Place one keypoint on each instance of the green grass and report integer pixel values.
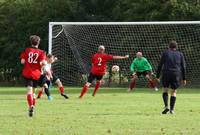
(111, 112)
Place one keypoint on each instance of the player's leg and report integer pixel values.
(98, 84)
(87, 85)
(31, 110)
(85, 89)
(165, 81)
(31, 85)
(175, 83)
(133, 82)
(41, 82)
(172, 101)
(61, 88)
(165, 100)
(47, 92)
(35, 84)
(30, 99)
(34, 97)
(40, 92)
(30, 96)
(147, 75)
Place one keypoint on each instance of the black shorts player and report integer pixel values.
(171, 79)
(173, 68)
(43, 80)
(31, 82)
(92, 77)
(144, 73)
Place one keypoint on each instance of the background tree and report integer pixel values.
(22, 18)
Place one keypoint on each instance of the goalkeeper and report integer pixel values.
(141, 66)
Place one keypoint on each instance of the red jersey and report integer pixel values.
(33, 57)
(99, 62)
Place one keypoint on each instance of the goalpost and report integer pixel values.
(74, 42)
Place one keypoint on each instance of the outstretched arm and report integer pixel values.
(132, 67)
(149, 65)
(120, 57)
(54, 59)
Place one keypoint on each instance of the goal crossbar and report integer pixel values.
(124, 23)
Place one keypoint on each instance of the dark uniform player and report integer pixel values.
(33, 59)
(99, 61)
(173, 68)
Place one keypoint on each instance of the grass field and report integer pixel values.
(111, 112)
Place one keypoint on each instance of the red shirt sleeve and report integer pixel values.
(22, 55)
(109, 57)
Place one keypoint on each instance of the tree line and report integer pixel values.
(22, 18)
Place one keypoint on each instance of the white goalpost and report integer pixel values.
(74, 42)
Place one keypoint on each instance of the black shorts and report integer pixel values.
(143, 73)
(92, 77)
(55, 78)
(31, 82)
(172, 80)
(43, 80)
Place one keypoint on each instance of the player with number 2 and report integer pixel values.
(98, 69)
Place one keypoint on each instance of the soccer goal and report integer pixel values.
(74, 43)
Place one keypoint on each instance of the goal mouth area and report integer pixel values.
(79, 40)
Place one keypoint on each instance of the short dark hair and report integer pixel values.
(34, 40)
(173, 44)
(49, 56)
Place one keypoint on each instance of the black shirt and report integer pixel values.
(172, 61)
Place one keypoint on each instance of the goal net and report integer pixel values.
(74, 43)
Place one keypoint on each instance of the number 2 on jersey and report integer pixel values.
(32, 57)
(99, 61)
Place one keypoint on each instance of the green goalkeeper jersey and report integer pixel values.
(140, 65)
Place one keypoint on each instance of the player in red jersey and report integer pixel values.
(99, 61)
(33, 59)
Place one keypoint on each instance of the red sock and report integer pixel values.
(40, 93)
(30, 99)
(84, 90)
(152, 85)
(62, 90)
(132, 85)
(96, 88)
(34, 99)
